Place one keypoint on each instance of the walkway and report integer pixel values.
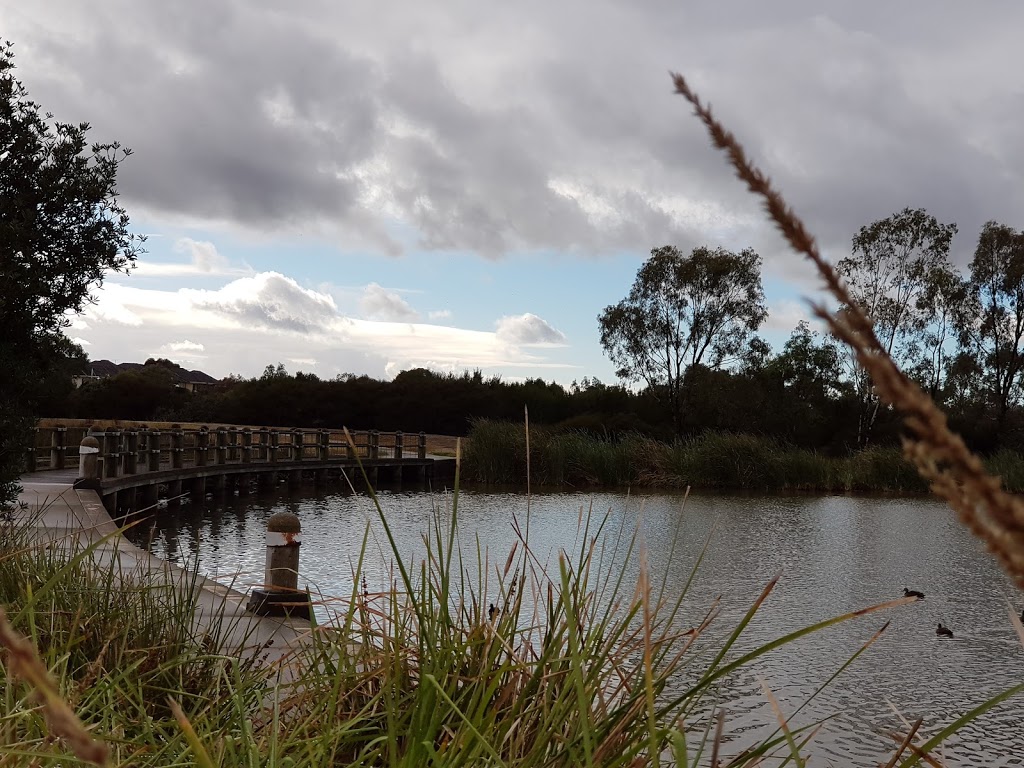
(57, 511)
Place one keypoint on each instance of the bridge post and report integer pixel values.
(202, 446)
(325, 445)
(131, 451)
(233, 452)
(275, 442)
(350, 450)
(297, 450)
(222, 445)
(57, 447)
(421, 446)
(374, 444)
(280, 595)
(246, 454)
(111, 455)
(399, 440)
(30, 453)
(154, 450)
(177, 448)
(197, 489)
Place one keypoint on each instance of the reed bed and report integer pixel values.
(496, 455)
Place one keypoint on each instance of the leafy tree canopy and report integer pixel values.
(61, 229)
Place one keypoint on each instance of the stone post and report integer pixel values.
(88, 459)
(280, 595)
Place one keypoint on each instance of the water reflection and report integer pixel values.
(835, 554)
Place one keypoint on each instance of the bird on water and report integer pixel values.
(943, 631)
(920, 595)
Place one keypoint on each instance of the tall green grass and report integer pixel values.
(496, 454)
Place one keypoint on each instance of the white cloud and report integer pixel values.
(529, 330)
(204, 261)
(268, 300)
(784, 315)
(439, 314)
(184, 346)
(378, 303)
(250, 322)
(81, 342)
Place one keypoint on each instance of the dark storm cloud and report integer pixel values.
(540, 126)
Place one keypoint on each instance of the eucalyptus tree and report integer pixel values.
(992, 323)
(893, 263)
(683, 311)
(61, 229)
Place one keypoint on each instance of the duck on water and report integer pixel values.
(943, 631)
(919, 595)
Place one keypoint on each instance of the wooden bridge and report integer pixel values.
(137, 464)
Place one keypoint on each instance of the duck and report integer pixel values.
(919, 595)
(943, 631)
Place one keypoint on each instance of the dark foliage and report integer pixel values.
(61, 229)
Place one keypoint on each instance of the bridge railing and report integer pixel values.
(139, 448)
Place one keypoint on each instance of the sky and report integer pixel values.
(371, 187)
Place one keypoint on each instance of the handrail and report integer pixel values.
(138, 448)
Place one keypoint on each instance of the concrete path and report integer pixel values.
(56, 511)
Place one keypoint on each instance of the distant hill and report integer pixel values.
(104, 368)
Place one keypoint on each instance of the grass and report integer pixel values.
(496, 454)
(460, 662)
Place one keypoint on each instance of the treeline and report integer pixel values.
(795, 397)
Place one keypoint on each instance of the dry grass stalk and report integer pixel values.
(63, 722)
(940, 456)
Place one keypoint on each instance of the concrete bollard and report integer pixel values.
(88, 459)
(280, 595)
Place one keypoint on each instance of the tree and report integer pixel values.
(893, 262)
(683, 311)
(992, 324)
(61, 229)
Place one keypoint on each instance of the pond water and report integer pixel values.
(835, 554)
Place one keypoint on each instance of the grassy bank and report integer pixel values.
(459, 662)
(496, 454)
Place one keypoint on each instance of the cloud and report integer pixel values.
(204, 261)
(439, 314)
(183, 346)
(81, 342)
(785, 314)
(528, 329)
(269, 300)
(378, 303)
(250, 322)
